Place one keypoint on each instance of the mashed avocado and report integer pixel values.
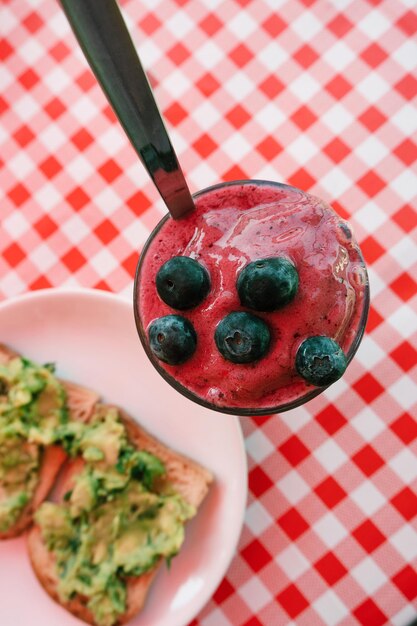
(32, 406)
(114, 522)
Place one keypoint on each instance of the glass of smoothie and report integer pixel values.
(254, 302)
(250, 297)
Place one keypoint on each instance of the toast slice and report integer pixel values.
(188, 478)
(80, 402)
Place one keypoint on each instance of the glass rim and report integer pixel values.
(238, 411)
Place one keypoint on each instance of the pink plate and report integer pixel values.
(91, 336)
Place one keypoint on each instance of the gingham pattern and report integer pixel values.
(317, 93)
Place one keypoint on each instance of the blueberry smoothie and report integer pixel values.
(254, 302)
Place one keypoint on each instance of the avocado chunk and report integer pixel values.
(117, 520)
(32, 406)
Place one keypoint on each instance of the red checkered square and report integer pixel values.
(292, 600)
(130, 263)
(150, 23)
(238, 116)
(33, 22)
(55, 108)
(13, 254)
(28, 79)
(368, 613)
(208, 84)
(269, 148)
(404, 286)
(45, 226)
(110, 170)
(175, 114)
(59, 51)
(274, 25)
(408, 23)
(406, 151)
(293, 524)
(337, 150)
(294, 450)
(338, 87)
(5, 49)
(178, 54)
(108, 111)
(50, 167)
(138, 203)
(306, 56)
(368, 536)
(102, 285)
(341, 210)
(211, 24)
(205, 145)
(3, 105)
(407, 87)
(271, 86)
(406, 503)
(40, 283)
(223, 591)
(331, 419)
(253, 621)
(259, 481)
(368, 460)
(235, 173)
(371, 249)
(330, 492)
(241, 55)
(406, 581)
(301, 179)
(374, 55)
(86, 80)
(372, 118)
(74, 260)
(371, 184)
(405, 355)
(18, 194)
(340, 25)
(303, 117)
(106, 231)
(330, 568)
(405, 427)
(82, 139)
(23, 135)
(368, 387)
(406, 217)
(255, 555)
(77, 198)
(374, 319)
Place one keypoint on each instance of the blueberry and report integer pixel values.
(182, 282)
(267, 284)
(242, 337)
(172, 339)
(320, 361)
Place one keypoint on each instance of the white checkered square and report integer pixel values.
(293, 562)
(259, 446)
(368, 498)
(369, 576)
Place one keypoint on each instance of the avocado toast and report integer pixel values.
(121, 510)
(33, 405)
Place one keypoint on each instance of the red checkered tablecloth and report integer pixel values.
(317, 93)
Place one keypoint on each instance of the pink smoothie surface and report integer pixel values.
(231, 227)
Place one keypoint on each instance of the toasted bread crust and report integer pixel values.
(81, 402)
(6, 354)
(43, 564)
(188, 478)
(52, 459)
